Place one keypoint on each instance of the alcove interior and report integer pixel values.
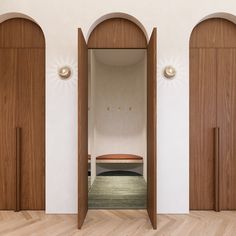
(117, 128)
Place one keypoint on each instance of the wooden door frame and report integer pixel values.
(117, 42)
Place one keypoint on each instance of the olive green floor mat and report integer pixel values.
(118, 192)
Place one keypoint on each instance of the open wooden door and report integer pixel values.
(82, 129)
(151, 129)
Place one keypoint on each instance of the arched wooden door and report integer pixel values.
(22, 115)
(116, 33)
(213, 116)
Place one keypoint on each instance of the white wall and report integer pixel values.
(115, 90)
(91, 115)
(174, 21)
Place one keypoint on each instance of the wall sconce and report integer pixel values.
(64, 72)
(169, 72)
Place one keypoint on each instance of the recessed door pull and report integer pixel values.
(18, 168)
(217, 171)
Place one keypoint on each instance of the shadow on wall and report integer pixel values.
(120, 99)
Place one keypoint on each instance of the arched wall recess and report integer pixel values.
(212, 115)
(222, 15)
(116, 33)
(12, 15)
(22, 115)
(117, 15)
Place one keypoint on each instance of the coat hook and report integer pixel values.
(108, 108)
(130, 108)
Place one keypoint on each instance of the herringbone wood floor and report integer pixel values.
(117, 222)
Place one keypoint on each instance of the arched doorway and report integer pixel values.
(213, 115)
(116, 33)
(22, 115)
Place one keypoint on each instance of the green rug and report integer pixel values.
(118, 192)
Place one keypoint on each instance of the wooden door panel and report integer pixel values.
(8, 63)
(21, 33)
(82, 128)
(151, 129)
(117, 33)
(214, 33)
(22, 94)
(219, 75)
(202, 124)
(30, 118)
(226, 116)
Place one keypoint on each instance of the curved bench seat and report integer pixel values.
(119, 158)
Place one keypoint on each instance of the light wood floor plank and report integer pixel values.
(117, 223)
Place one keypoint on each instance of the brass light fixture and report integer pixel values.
(64, 72)
(169, 72)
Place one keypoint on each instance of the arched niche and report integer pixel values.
(117, 15)
(222, 15)
(117, 33)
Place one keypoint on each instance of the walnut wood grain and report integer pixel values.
(22, 105)
(117, 33)
(151, 128)
(226, 120)
(31, 118)
(8, 72)
(21, 33)
(214, 33)
(202, 124)
(212, 104)
(82, 129)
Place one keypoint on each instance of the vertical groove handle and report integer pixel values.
(18, 168)
(217, 169)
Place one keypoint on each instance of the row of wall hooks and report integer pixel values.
(118, 109)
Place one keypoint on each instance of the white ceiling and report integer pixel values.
(119, 57)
